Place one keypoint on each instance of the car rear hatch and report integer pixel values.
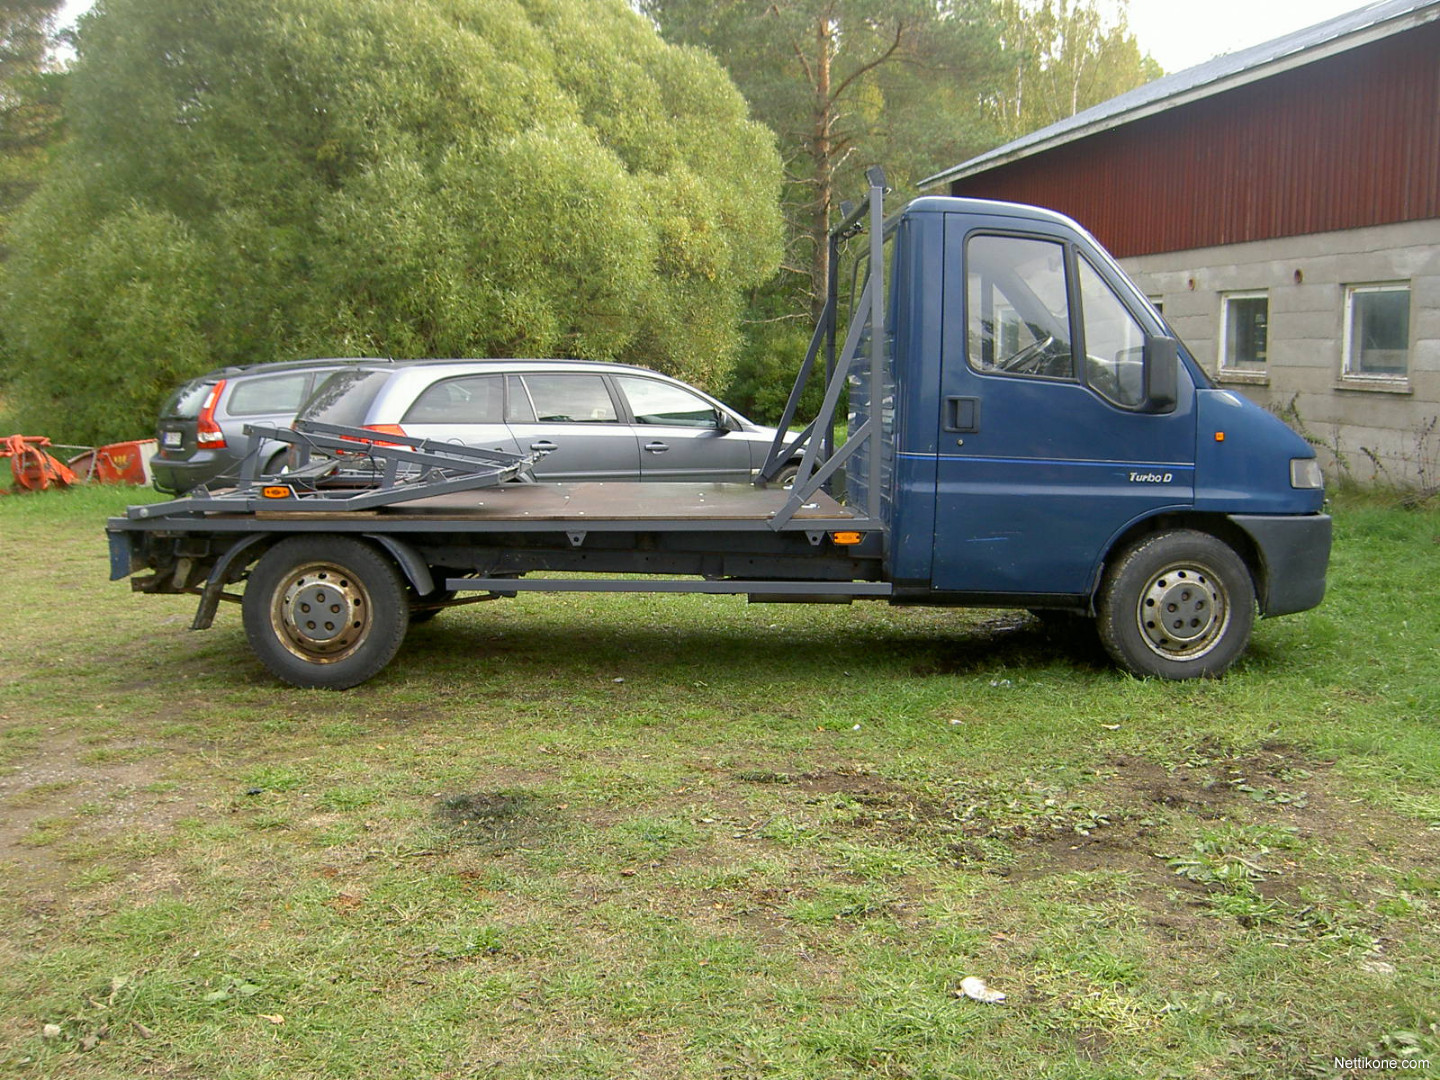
(179, 426)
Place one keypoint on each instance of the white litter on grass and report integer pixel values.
(973, 987)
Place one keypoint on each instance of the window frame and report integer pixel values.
(1072, 299)
(241, 387)
(1347, 356)
(1223, 367)
(619, 379)
(409, 416)
(617, 408)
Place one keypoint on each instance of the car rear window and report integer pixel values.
(185, 403)
(344, 398)
(270, 395)
(469, 399)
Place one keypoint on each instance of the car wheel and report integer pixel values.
(324, 611)
(785, 478)
(1179, 605)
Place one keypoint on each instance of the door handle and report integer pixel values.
(657, 447)
(544, 446)
(962, 414)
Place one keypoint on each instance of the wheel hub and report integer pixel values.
(322, 611)
(1182, 612)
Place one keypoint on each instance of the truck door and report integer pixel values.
(1044, 452)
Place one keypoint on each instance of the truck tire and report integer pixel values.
(1177, 605)
(324, 611)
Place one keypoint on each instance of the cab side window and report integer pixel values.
(1114, 342)
(1017, 307)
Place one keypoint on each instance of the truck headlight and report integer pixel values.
(1305, 473)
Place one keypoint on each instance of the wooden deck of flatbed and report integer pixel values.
(637, 503)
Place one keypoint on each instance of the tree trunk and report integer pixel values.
(824, 166)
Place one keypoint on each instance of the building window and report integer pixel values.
(1244, 332)
(1377, 331)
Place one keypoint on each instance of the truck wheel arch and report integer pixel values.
(1215, 525)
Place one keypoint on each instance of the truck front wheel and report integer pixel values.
(324, 611)
(1177, 605)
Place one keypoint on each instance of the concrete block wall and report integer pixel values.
(1373, 430)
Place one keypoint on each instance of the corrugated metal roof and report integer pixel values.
(1348, 31)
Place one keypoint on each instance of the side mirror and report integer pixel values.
(1162, 374)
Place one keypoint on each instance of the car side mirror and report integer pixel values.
(1162, 374)
(724, 423)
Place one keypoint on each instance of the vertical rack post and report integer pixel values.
(876, 177)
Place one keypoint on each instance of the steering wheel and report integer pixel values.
(1028, 358)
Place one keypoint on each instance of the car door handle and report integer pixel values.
(544, 446)
(657, 447)
(962, 414)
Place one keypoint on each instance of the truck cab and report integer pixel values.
(1047, 425)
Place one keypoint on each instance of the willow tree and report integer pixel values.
(29, 100)
(261, 179)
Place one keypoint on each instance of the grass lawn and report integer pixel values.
(686, 837)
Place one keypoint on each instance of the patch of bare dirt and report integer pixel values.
(68, 791)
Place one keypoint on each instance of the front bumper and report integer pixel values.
(1294, 555)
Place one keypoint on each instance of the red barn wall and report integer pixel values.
(1345, 142)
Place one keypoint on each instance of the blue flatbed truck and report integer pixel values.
(1023, 431)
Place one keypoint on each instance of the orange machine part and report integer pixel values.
(32, 467)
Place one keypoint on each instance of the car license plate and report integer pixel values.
(172, 439)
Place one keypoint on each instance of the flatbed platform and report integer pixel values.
(614, 505)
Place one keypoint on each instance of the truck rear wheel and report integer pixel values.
(324, 611)
(1178, 605)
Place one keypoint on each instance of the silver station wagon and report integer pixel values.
(590, 420)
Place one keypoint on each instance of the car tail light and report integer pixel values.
(379, 429)
(386, 429)
(207, 432)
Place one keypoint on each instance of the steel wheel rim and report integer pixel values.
(1183, 612)
(320, 612)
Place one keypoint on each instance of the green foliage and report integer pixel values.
(1063, 57)
(29, 101)
(847, 84)
(264, 179)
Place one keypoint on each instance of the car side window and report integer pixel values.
(470, 399)
(571, 399)
(655, 402)
(1114, 342)
(1017, 307)
(274, 394)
